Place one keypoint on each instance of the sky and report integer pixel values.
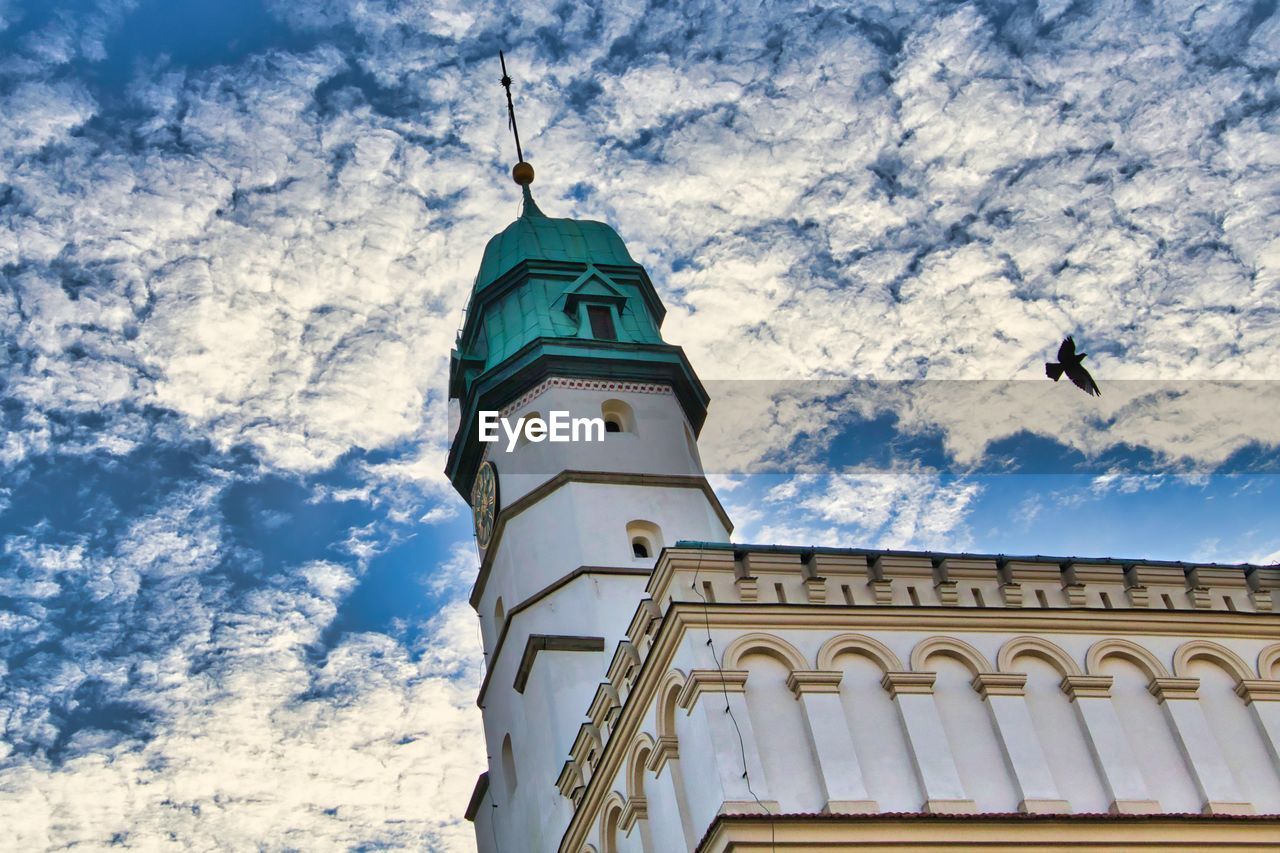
(236, 240)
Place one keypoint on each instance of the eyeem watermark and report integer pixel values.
(558, 427)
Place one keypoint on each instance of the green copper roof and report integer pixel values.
(537, 236)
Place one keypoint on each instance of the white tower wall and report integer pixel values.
(560, 581)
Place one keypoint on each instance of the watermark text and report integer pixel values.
(558, 426)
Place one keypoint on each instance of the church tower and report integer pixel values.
(562, 322)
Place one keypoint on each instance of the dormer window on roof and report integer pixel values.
(600, 318)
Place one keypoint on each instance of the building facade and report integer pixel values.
(652, 687)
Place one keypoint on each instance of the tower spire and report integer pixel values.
(522, 173)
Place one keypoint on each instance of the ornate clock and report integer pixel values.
(484, 503)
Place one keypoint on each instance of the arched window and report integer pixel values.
(645, 538)
(498, 613)
(618, 416)
(508, 765)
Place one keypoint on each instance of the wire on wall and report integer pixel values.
(728, 709)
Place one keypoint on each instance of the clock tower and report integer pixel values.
(562, 322)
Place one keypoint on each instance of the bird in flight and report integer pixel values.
(1070, 363)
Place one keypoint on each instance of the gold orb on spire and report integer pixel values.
(522, 174)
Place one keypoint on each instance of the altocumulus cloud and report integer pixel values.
(238, 276)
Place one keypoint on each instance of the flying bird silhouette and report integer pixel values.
(1070, 363)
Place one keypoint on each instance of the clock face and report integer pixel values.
(484, 503)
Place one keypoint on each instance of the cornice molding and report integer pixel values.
(551, 643)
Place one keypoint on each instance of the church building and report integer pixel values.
(652, 685)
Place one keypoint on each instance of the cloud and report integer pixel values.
(908, 507)
(260, 750)
(188, 702)
(267, 258)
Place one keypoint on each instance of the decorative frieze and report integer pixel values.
(611, 386)
(910, 580)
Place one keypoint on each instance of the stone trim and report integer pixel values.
(665, 748)
(814, 681)
(702, 681)
(551, 643)
(988, 832)
(908, 683)
(1000, 684)
(1086, 686)
(570, 779)
(636, 808)
(1258, 690)
(1173, 688)
(478, 794)
(949, 807)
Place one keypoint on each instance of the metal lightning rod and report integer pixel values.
(523, 172)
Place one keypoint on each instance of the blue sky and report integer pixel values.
(236, 240)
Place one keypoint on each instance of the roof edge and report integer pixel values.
(961, 555)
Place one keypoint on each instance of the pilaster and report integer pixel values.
(721, 695)
(1263, 699)
(1109, 745)
(931, 755)
(1209, 769)
(840, 773)
(1005, 695)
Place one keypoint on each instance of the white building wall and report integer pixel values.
(1017, 714)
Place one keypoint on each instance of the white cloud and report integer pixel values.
(277, 260)
(259, 751)
(907, 506)
(229, 729)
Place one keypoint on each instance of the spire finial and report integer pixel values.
(522, 174)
